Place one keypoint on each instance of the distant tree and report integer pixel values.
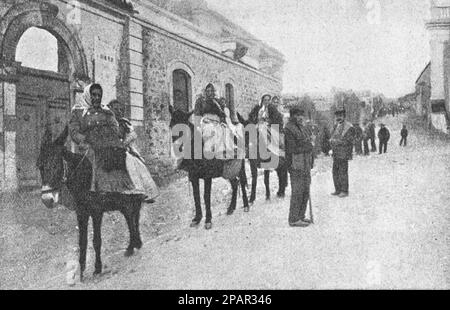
(305, 102)
(350, 102)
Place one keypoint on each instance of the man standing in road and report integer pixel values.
(404, 134)
(366, 136)
(299, 155)
(373, 144)
(342, 146)
(358, 139)
(383, 135)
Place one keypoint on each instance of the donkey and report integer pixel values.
(59, 167)
(255, 163)
(208, 170)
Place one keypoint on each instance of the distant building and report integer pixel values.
(423, 93)
(439, 29)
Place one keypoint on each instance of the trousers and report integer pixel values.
(404, 141)
(340, 175)
(300, 186)
(383, 146)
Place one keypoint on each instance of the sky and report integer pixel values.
(379, 45)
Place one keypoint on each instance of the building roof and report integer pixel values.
(428, 66)
(188, 9)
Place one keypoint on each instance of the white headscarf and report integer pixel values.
(84, 102)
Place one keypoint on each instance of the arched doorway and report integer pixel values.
(42, 97)
(45, 61)
(182, 90)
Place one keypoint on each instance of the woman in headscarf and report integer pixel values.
(135, 163)
(209, 116)
(266, 116)
(95, 130)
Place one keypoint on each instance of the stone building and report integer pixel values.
(149, 54)
(439, 29)
(423, 93)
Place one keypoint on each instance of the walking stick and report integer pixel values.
(311, 211)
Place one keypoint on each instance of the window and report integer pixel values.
(229, 96)
(181, 90)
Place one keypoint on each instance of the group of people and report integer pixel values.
(106, 138)
(364, 141)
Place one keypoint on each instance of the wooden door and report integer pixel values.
(42, 98)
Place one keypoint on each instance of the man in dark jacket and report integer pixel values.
(325, 140)
(384, 136)
(358, 139)
(299, 155)
(373, 144)
(342, 146)
(404, 134)
(366, 136)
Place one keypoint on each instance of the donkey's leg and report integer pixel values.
(234, 188)
(243, 181)
(97, 218)
(83, 220)
(129, 218)
(198, 206)
(136, 216)
(207, 198)
(267, 183)
(254, 171)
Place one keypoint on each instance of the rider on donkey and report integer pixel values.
(266, 117)
(94, 128)
(135, 163)
(213, 121)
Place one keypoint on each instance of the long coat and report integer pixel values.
(298, 141)
(384, 135)
(342, 140)
(100, 130)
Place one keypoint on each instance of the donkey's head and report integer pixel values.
(51, 166)
(177, 119)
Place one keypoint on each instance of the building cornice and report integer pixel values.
(438, 24)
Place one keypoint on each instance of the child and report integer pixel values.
(135, 163)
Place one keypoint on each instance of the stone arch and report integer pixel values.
(41, 15)
(180, 65)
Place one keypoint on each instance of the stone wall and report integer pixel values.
(161, 52)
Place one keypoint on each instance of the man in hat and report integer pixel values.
(366, 137)
(299, 155)
(358, 139)
(383, 136)
(372, 137)
(342, 145)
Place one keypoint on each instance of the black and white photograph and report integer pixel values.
(205, 145)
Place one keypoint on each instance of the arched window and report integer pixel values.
(39, 49)
(182, 90)
(229, 96)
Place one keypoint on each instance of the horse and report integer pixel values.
(59, 167)
(208, 169)
(255, 163)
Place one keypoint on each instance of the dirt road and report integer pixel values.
(392, 232)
